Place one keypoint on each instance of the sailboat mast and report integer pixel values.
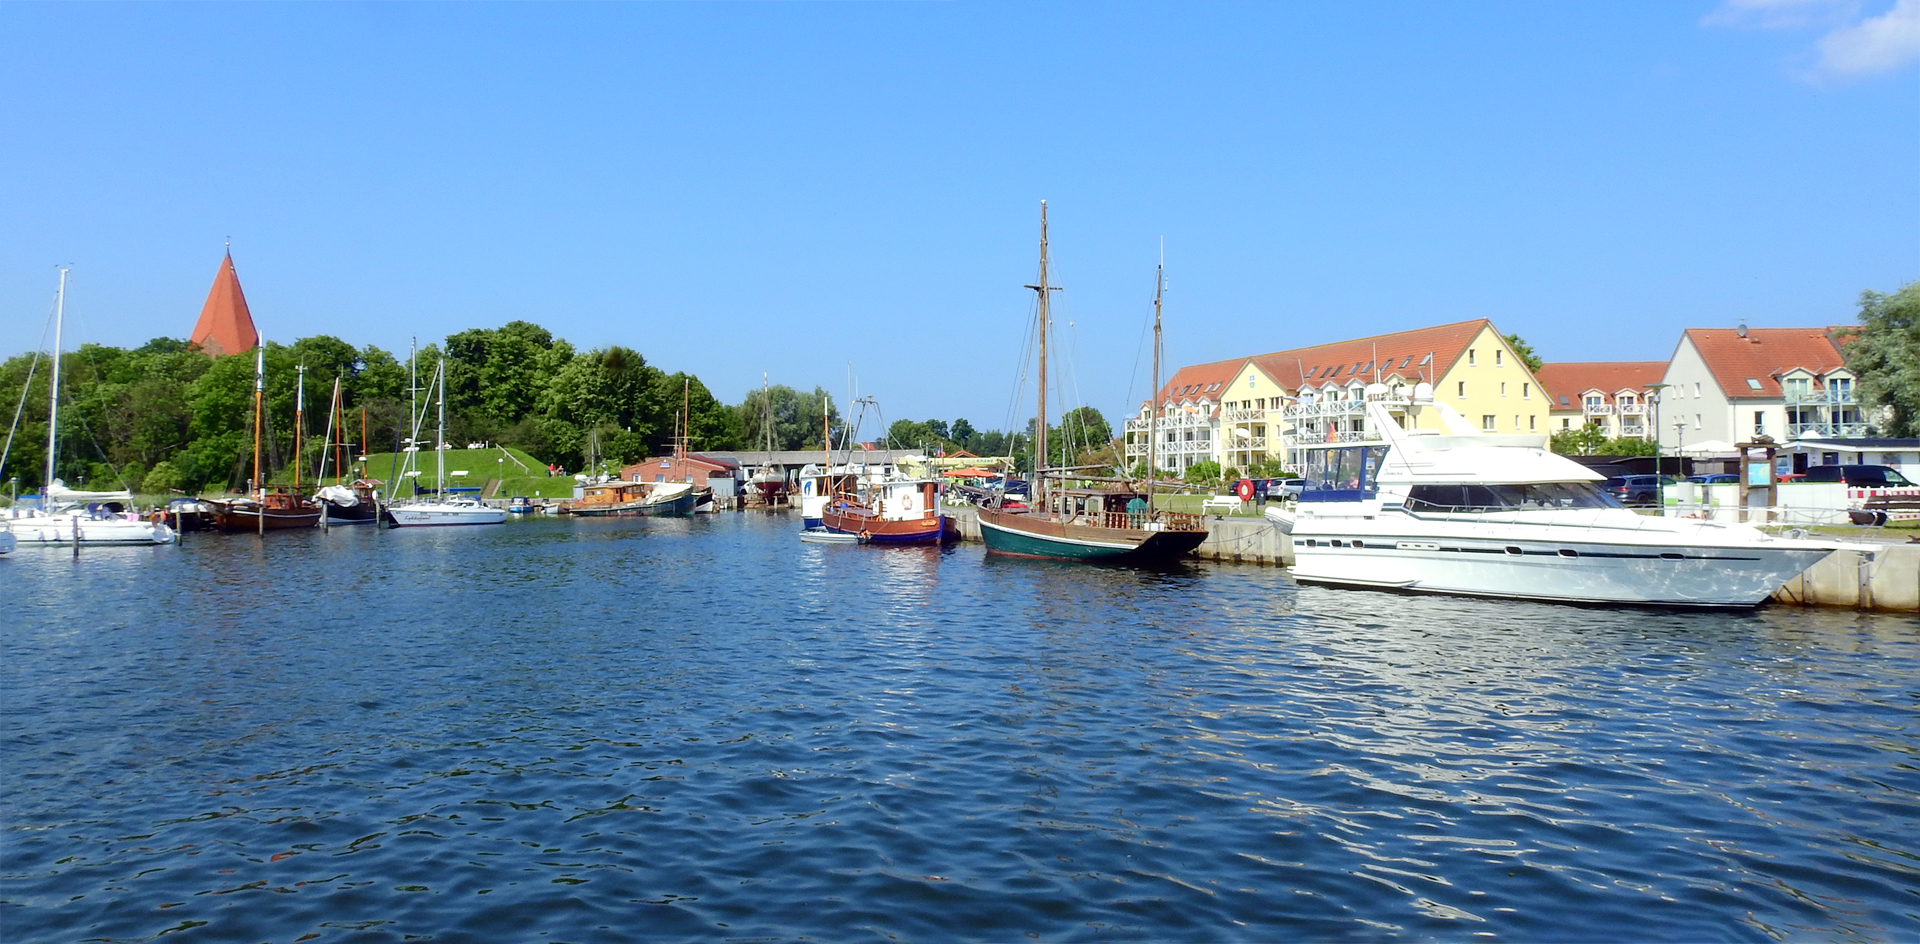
(299, 421)
(53, 385)
(339, 424)
(1153, 418)
(686, 423)
(1044, 290)
(440, 437)
(259, 417)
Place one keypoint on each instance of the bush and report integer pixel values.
(1204, 472)
(162, 478)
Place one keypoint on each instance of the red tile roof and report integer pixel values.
(1566, 383)
(1762, 356)
(1201, 380)
(1379, 356)
(225, 325)
(1404, 353)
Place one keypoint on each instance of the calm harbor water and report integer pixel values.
(702, 729)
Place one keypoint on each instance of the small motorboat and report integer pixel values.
(826, 536)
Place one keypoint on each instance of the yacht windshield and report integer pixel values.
(1477, 499)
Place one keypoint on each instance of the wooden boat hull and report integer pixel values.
(229, 517)
(1027, 536)
(679, 506)
(364, 512)
(845, 519)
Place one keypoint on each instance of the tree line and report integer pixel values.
(165, 416)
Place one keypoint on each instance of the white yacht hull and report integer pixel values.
(61, 529)
(429, 515)
(1593, 561)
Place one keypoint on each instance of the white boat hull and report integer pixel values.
(1683, 565)
(437, 515)
(61, 529)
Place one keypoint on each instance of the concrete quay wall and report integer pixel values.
(1240, 540)
(1886, 578)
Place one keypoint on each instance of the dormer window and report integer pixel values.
(1752, 384)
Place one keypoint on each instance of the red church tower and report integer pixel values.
(225, 325)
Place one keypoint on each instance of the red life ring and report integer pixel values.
(1245, 489)
(866, 535)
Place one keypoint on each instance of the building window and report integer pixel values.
(1526, 391)
(1497, 355)
(1532, 423)
(1697, 424)
(1696, 389)
(1487, 422)
(1503, 388)
(1463, 390)
(1566, 423)
(1759, 423)
(1516, 421)
(1469, 357)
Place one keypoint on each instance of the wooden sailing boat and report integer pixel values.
(769, 481)
(264, 510)
(1084, 524)
(358, 503)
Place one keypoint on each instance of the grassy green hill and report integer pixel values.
(515, 472)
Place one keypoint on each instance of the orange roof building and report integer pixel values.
(1234, 411)
(225, 325)
(1731, 385)
(1611, 394)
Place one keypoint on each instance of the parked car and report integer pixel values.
(1637, 489)
(1278, 489)
(1862, 476)
(1718, 478)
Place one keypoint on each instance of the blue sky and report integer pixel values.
(793, 188)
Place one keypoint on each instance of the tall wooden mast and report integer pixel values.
(1044, 291)
(299, 421)
(259, 412)
(1153, 417)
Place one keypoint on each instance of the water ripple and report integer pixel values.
(700, 729)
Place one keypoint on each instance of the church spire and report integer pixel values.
(225, 325)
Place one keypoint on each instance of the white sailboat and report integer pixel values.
(441, 510)
(69, 516)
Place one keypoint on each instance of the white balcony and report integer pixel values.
(1821, 398)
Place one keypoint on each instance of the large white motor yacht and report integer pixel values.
(1455, 510)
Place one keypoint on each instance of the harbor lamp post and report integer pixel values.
(1653, 397)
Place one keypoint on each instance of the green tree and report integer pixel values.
(962, 433)
(1579, 442)
(1884, 352)
(912, 434)
(1524, 351)
(1082, 433)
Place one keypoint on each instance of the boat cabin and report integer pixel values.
(1342, 473)
(610, 494)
